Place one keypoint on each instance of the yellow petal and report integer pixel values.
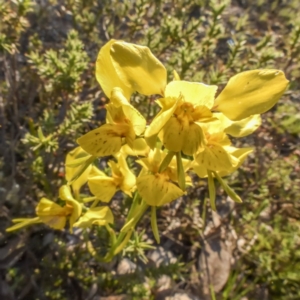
(200, 170)
(54, 215)
(72, 156)
(169, 106)
(139, 147)
(250, 93)
(133, 115)
(96, 215)
(65, 193)
(56, 222)
(75, 158)
(138, 68)
(220, 123)
(105, 140)
(202, 114)
(192, 92)
(115, 170)
(193, 138)
(144, 162)
(173, 134)
(76, 213)
(155, 158)
(176, 77)
(186, 164)
(156, 190)
(219, 138)
(106, 73)
(114, 114)
(130, 136)
(244, 127)
(107, 217)
(82, 179)
(240, 153)
(96, 172)
(215, 158)
(47, 207)
(169, 102)
(153, 161)
(72, 205)
(128, 182)
(239, 128)
(103, 188)
(213, 127)
(100, 222)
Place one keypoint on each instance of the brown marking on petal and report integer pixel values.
(215, 107)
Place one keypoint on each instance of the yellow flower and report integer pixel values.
(217, 158)
(104, 187)
(157, 188)
(237, 155)
(52, 214)
(130, 67)
(213, 156)
(65, 194)
(96, 216)
(186, 105)
(217, 154)
(124, 124)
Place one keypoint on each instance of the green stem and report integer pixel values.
(154, 224)
(204, 214)
(211, 190)
(134, 204)
(126, 231)
(123, 243)
(88, 199)
(180, 171)
(166, 161)
(230, 192)
(84, 166)
(133, 221)
(76, 194)
(212, 292)
(112, 234)
(95, 203)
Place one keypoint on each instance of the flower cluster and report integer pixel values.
(189, 134)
